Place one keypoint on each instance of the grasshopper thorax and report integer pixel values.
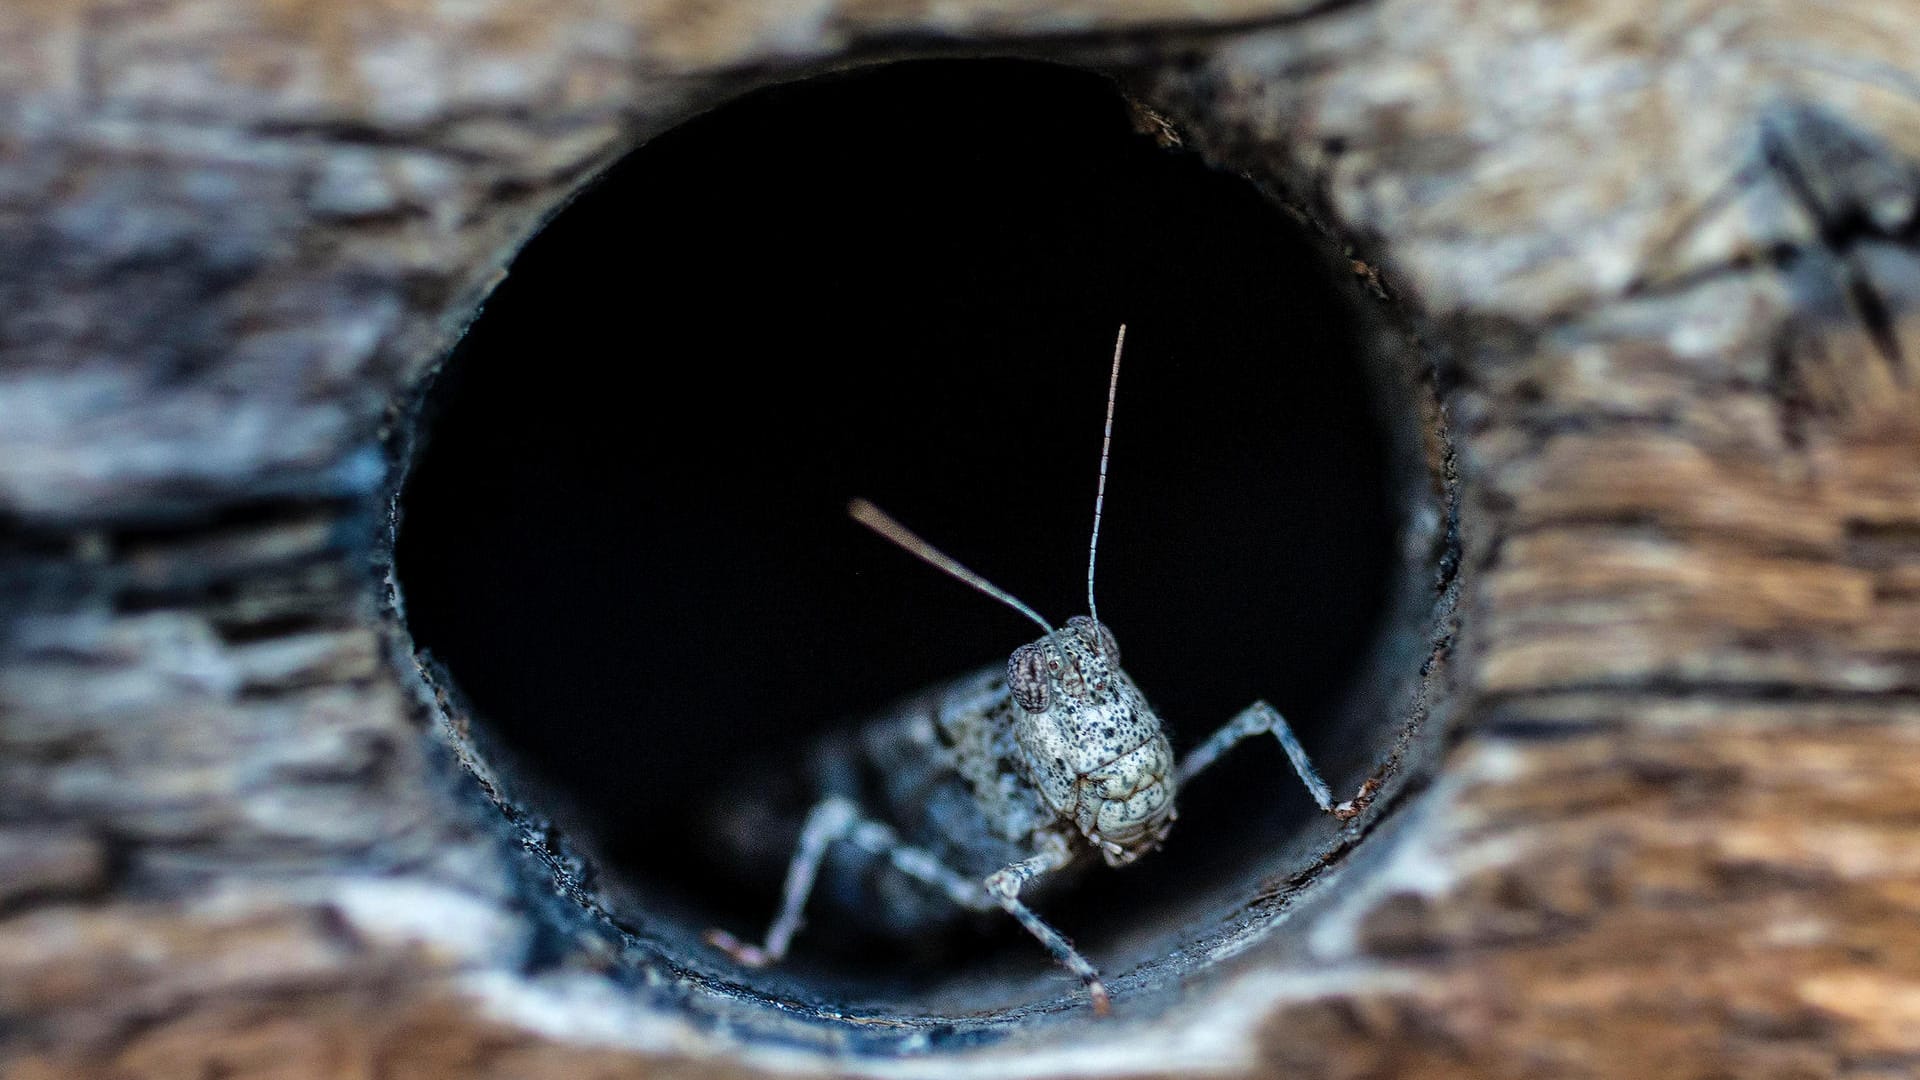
(1089, 742)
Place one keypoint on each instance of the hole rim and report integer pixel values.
(1414, 632)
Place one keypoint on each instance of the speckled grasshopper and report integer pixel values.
(979, 787)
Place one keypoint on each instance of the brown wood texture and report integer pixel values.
(1666, 255)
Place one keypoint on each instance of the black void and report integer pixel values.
(625, 535)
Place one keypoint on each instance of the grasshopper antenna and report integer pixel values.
(879, 521)
(1100, 497)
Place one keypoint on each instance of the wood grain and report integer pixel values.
(1663, 258)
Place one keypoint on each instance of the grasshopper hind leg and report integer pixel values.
(837, 818)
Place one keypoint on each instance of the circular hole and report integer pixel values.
(625, 540)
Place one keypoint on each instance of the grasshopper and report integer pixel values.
(998, 779)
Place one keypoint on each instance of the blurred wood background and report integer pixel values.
(1666, 255)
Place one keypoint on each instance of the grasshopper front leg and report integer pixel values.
(1261, 718)
(1005, 885)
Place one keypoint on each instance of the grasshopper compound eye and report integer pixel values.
(1027, 678)
(1097, 635)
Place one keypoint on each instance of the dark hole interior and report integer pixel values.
(625, 534)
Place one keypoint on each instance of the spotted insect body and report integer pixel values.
(986, 785)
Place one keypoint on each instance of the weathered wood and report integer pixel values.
(1667, 255)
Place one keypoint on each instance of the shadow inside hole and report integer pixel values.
(625, 535)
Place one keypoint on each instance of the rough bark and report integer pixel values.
(1666, 253)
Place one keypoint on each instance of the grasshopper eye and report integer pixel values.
(1097, 635)
(1027, 677)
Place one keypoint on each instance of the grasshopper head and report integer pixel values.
(1090, 742)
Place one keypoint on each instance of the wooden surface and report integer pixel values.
(1663, 255)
